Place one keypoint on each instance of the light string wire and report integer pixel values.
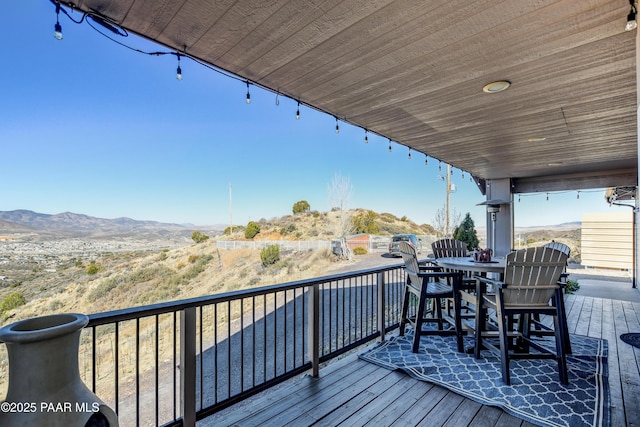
(121, 31)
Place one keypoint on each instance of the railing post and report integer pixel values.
(381, 306)
(188, 366)
(313, 324)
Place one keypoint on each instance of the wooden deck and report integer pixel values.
(351, 392)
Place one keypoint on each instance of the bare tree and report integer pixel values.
(340, 193)
(440, 221)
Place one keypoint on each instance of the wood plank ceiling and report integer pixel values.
(413, 71)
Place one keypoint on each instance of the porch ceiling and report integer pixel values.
(413, 71)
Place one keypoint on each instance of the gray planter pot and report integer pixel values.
(45, 388)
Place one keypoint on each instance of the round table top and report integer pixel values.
(496, 265)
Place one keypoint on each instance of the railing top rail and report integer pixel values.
(172, 306)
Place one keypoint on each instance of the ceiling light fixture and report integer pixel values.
(497, 86)
(57, 29)
(536, 139)
(632, 24)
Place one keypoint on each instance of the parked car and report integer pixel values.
(411, 238)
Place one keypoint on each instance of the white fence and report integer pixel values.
(374, 244)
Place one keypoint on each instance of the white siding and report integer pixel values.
(607, 240)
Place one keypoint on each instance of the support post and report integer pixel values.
(313, 324)
(382, 305)
(188, 366)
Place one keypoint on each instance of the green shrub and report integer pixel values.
(270, 255)
(301, 206)
(198, 237)
(92, 269)
(571, 287)
(252, 230)
(193, 258)
(359, 250)
(11, 301)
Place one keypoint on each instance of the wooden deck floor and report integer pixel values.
(351, 392)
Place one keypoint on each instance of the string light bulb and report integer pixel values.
(178, 70)
(578, 197)
(409, 153)
(248, 94)
(462, 174)
(366, 136)
(440, 166)
(337, 127)
(426, 160)
(298, 112)
(389, 144)
(632, 24)
(518, 198)
(547, 197)
(57, 29)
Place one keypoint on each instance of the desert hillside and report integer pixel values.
(41, 273)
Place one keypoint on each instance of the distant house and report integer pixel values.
(607, 240)
(358, 240)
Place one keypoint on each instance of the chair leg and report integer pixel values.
(561, 346)
(405, 310)
(457, 311)
(562, 317)
(503, 334)
(479, 328)
(418, 323)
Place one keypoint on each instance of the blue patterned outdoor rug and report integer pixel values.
(535, 394)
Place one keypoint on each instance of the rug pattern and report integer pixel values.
(535, 394)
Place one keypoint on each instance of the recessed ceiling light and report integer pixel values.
(536, 139)
(555, 164)
(495, 87)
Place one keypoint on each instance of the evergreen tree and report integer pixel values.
(466, 232)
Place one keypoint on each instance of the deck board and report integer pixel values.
(351, 392)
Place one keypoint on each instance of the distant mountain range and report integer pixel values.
(73, 224)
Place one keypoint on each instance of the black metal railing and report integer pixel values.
(174, 363)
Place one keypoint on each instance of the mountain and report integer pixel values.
(73, 224)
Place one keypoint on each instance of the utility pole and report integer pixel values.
(446, 231)
(230, 210)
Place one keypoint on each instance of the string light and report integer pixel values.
(547, 197)
(632, 24)
(426, 160)
(440, 166)
(57, 29)
(518, 198)
(578, 196)
(366, 136)
(470, 178)
(409, 153)
(248, 94)
(389, 144)
(178, 70)
(337, 127)
(298, 112)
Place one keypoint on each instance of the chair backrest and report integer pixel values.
(449, 248)
(410, 261)
(559, 246)
(532, 275)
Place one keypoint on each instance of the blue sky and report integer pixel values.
(91, 127)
